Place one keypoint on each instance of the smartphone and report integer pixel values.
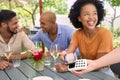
(71, 65)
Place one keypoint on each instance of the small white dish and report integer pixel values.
(42, 78)
(83, 79)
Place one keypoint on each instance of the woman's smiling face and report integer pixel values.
(88, 16)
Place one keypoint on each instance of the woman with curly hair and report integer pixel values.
(92, 40)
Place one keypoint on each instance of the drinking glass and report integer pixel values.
(8, 52)
(54, 52)
(16, 60)
(38, 45)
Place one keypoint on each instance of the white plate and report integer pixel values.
(42, 78)
(83, 79)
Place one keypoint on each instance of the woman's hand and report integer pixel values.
(62, 55)
(61, 67)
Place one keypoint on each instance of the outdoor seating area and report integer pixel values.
(59, 40)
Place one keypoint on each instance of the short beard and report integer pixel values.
(8, 29)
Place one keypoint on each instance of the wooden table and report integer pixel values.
(26, 71)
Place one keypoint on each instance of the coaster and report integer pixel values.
(42, 78)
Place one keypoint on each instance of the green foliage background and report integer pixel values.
(26, 13)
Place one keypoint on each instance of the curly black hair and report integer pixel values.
(76, 8)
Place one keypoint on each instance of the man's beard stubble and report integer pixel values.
(8, 29)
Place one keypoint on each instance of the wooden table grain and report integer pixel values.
(26, 72)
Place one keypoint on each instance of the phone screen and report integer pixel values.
(72, 65)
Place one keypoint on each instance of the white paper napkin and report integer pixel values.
(83, 79)
(42, 78)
